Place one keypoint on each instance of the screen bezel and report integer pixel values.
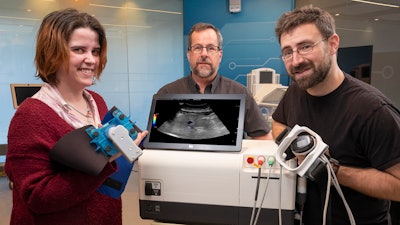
(193, 146)
(14, 94)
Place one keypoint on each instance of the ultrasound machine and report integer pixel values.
(196, 167)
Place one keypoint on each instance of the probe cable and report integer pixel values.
(255, 199)
(263, 198)
(332, 179)
(280, 195)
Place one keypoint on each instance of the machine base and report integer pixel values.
(168, 212)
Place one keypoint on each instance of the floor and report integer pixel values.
(130, 200)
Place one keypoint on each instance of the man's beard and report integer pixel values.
(203, 73)
(319, 74)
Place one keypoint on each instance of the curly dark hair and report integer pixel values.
(306, 14)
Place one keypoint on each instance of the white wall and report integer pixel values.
(145, 50)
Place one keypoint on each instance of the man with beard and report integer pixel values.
(204, 55)
(360, 125)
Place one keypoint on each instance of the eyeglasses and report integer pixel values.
(211, 49)
(287, 54)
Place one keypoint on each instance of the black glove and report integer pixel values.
(74, 150)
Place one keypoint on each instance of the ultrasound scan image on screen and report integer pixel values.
(196, 122)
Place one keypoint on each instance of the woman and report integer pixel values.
(71, 53)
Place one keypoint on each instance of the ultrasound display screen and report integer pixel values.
(204, 122)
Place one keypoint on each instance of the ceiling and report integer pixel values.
(357, 11)
(15, 17)
(347, 9)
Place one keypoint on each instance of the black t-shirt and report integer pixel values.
(361, 127)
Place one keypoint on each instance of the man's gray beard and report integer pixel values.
(203, 74)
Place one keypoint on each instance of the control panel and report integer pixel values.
(258, 161)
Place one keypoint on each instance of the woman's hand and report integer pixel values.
(140, 136)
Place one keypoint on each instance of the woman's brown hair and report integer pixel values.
(52, 51)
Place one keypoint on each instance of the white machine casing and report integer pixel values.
(257, 77)
(214, 187)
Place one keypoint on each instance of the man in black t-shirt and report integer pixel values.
(360, 125)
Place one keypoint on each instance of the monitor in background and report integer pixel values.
(199, 122)
(356, 61)
(261, 77)
(19, 92)
(266, 77)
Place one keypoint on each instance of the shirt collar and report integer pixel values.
(214, 84)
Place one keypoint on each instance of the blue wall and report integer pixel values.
(249, 36)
